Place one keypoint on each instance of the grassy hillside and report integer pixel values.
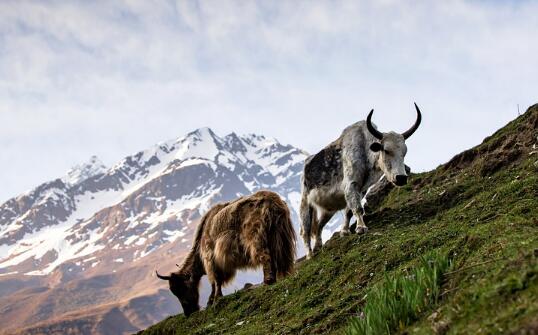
(480, 210)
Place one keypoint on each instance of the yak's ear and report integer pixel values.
(180, 279)
(376, 146)
(182, 276)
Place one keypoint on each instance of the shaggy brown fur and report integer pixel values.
(250, 232)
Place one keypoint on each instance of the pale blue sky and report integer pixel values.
(113, 77)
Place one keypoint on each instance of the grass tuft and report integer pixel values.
(399, 299)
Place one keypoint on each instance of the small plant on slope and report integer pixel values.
(399, 299)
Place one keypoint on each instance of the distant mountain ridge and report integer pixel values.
(98, 221)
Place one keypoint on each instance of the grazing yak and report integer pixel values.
(249, 232)
(338, 176)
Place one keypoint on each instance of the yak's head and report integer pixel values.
(392, 150)
(183, 287)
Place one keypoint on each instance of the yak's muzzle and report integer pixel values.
(401, 180)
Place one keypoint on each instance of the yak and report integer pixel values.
(337, 177)
(249, 232)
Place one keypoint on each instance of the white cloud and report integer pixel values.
(110, 78)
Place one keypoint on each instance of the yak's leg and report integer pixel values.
(269, 272)
(322, 221)
(218, 287)
(262, 254)
(212, 295)
(307, 245)
(354, 167)
(307, 213)
(211, 271)
(348, 214)
(353, 199)
(218, 293)
(361, 226)
(216, 278)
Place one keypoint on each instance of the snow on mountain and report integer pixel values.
(84, 171)
(143, 203)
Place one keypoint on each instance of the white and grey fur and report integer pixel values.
(338, 176)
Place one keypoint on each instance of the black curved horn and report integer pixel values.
(162, 277)
(410, 132)
(376, 133)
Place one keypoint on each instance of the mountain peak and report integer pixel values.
(203, 132)
(259, 140)
(81, 172)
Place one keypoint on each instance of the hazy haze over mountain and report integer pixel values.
(80, 79)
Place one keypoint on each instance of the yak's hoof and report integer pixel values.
(362, 230)
(344, 233)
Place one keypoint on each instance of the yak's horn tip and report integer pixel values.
(162, 277)
(376, 133)
(410, 132)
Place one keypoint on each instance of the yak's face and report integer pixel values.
(186, 291)
(392, 151)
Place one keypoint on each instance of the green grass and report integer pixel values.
(480, 209)
(399, 299)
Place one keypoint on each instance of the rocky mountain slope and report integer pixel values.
(79, 252)
(480, 210)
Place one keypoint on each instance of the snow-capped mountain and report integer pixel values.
(121, 220)
(81, 172)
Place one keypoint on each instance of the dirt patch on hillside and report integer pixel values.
(501, 149)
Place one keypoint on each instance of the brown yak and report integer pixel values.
(249, 232)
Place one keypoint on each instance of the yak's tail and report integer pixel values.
(307, 218)
(282, 235)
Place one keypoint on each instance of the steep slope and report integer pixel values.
(480, 209)
(84, 247)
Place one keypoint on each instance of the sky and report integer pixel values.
(111, 78)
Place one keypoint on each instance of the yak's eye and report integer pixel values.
(376, 146)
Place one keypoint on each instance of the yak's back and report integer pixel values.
(248, 209)
(236, 231)
(322, 168)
